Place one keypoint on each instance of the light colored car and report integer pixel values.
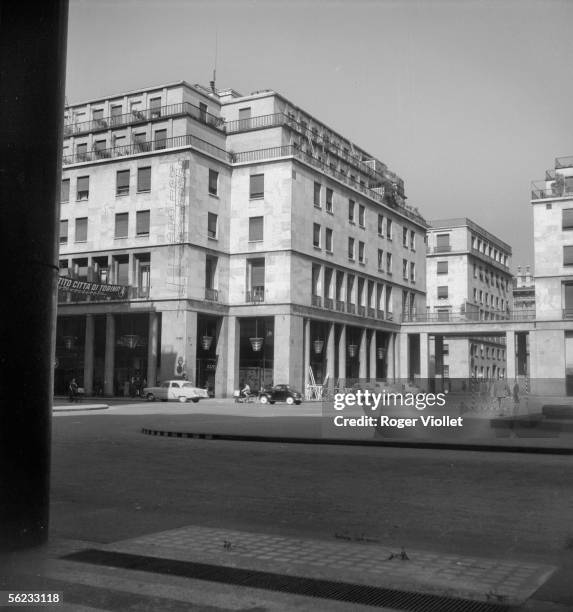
(180, 390)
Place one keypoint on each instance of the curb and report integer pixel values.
(80, 408)
(387, 443)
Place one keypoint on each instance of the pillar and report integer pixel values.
(32, 65)
(362, 355)
(373, 355)
(342, 356)
(330, 355)
(403, 357)
(306, 361)
(232, 326)
(391, 358)
(152, 337)
(424, 361)
(89, 355)
(510, 355)
(109, 359)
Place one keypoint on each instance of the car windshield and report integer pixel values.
(187, 385)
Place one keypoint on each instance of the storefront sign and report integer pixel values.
(76, 286)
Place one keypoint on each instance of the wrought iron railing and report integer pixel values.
(340, 306)
(211, 294)
(467, 317)
(316, 301)
(144, 115)
(329, 303)
(256, 294)
(145, 147)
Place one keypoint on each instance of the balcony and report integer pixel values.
(444, 248)
(371, 313)
(212, 295)
(316, 301)
(183, 109)
(255, 295)
(329, 303)
(340, 306)
(145, 147)
(350, 308)
(561, 187)
(380, 314)
(362, 311)
(255, 123)
(468, 317)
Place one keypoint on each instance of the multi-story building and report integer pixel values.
(467, 279)
(552, 343)
(523, 294)
(227, 238)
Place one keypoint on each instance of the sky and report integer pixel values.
(468, 101)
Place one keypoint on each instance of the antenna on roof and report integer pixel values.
(213, 88)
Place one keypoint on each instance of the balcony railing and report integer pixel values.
(316, 301)
(255, 295)
(142, 116)
(145, 147)
(255, 123)
(444, 248)
(340, 306)
(329, 303)
(467, 317)
(371, 313)
(540, 190)
(350, 308)
(380, 314)
(362, 310)
(211, 294)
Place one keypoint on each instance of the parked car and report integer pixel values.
(280, 393)
(175, 390)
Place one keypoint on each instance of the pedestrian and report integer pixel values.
(73, 390)
(515, 394)
(500, 391)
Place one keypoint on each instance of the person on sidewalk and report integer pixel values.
(73, 390)
(500, 391)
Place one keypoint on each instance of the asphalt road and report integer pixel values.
(110, 482)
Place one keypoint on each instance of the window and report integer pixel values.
(445, 349)
(65, 191)
(142, 222)
(412, 240)
(351, 248)
(405, 237)
(389, 263)
(144, 179)
(380, 259)
(82, 229)
(202, 112)
(122, 183)
(160, 138)
(256, 229)
(442, 267)
(328, 240)
(405, 269)
(140, 143)
(245, 113)
(317, 189)
(361, 257)
(82, 152)
(64, 232)
(443, 292)
(213, 181)
(97, 114)
(257, 186)
(443, 243)
(568, 218)
(329, 196)
(155, 107)
(316, 235)
(568, 255)
(256, 279)
(351, 211)
(412, 272)
(83, 188)
(475, 295)
(475, 271)
(361, 215)
(212, 225)
(116, 112)
(389, 229)
(380, 225)
(121, 225)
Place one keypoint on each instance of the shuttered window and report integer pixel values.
(443, 267)
(258, 273)
(568, 218)
(83, 188)
(257, 187)
(63, 232)
(121, 225)
(144, 179)
(443, 292)
(568, 255)
(122, 183)
(142, 222)
(82, 229)
(256, 229)
(65, 193)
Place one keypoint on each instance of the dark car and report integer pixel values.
(280, 393)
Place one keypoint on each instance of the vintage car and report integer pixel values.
(280, 393)
(180, 390)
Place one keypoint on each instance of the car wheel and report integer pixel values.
(289, 401)
(150, 397)
(195, 400)
(264, 399)
(182, 399)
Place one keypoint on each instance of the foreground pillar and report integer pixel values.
(89, 355)
(32, 65)
(109, 359)
(152, 334)
(342, 356)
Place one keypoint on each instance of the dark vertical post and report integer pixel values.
(32, 77)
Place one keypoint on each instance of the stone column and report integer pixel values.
(306, 361)
(152, 337)
(330, 358)
(373, 354)
(33, 69)
(342, 356)
(109, 359)
(403, 357)
(391, 357)
(232, 325)
(424, 359)
(362, 363)
(510, 356)
(89, 355)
